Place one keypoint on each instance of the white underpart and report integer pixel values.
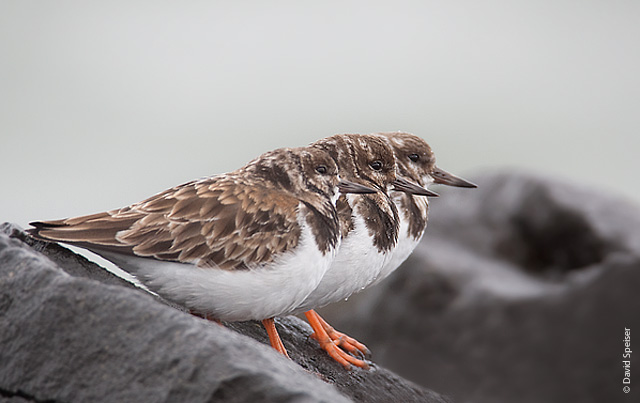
(236, 295)
(356, 265)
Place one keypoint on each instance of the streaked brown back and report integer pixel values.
(217, 222)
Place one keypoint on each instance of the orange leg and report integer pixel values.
(349, 344)
(329, 346)
(274, 338)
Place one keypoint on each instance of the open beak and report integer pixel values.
(403, 185)
(446, 178)
(351, 187)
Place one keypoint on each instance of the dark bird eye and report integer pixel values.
(321, 169)
(414, 157)
(376, 165)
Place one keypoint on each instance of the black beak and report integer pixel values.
(445, 178)
(350, 187)
(403, 185)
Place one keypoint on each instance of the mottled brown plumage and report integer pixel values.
(233, 221)
(415, 162)
(369, 229)
(356, 156)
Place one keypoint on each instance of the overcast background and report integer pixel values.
(105, 103)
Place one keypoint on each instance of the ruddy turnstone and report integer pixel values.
(223, 246)
(369, 228)
(415, 162)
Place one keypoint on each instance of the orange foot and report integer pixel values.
(274, 338)
(333, 342)
(343, 341)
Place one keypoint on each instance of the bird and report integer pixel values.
(369, 225)
(415, 162)
(223, 246)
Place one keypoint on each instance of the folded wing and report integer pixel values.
(215, 222)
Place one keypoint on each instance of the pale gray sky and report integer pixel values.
(105, 103)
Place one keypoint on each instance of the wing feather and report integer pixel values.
(217, 222)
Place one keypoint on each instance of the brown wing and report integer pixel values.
(216, 222)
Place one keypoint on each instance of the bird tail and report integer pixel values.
(94, 231)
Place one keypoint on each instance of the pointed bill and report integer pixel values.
(351, 187)
(403, 185)
(446, 178)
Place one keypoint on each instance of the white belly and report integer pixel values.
(404, 248)
(235, 295)
(406, 242)
(356, 265)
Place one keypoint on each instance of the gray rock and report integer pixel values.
(520, 291)
(70, 331)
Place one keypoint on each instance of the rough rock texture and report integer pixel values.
(520, 292)
(72, 332)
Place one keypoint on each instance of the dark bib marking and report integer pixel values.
(413, 214)
(345, 215)
(325, 229)
(383, 227)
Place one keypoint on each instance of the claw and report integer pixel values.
(347, 343)
(344, 341)
(331, 347)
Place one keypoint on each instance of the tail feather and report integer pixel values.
(90, 231)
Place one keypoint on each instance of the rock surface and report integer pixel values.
(70, 331)
(520, 291)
